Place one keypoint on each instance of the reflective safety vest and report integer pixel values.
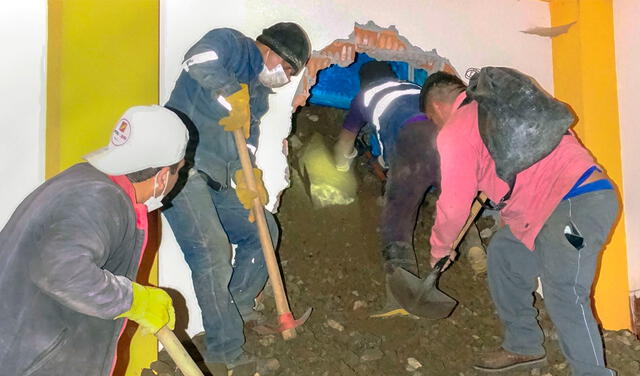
(388, 106)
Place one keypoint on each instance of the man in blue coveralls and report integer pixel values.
(407, 141)
(224, 85)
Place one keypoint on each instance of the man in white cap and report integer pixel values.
(70, 252)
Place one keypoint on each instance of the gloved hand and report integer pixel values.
(344, 160)
(151, 308)
(240, 114)
(434, 260)
(245, 195)
(343, 150)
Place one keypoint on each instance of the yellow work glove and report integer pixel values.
(151, 308)
(245, 195)
(240, 115)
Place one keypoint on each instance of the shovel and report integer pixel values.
(422, 297)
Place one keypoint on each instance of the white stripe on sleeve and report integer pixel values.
(200, 58)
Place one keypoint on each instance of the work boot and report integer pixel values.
(396, 255)
(473, 249)
(478, 260)
(391, 307)
(253, 319)
(245, 365)
(502, 360)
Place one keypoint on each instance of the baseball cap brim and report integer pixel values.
(110, 163)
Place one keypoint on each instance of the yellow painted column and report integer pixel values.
(102, 58)
(585, 77)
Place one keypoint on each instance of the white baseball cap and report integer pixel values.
(144, 137)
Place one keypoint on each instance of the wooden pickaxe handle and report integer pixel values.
(282, 305)
(178, 353)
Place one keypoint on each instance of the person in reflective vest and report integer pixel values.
(407, 141)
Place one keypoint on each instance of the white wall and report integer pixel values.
(626, 15)
(470, 33)
(23, 27)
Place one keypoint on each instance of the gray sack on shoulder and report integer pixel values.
(519, 122)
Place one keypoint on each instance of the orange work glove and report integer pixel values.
(240, 114)
(245, 195)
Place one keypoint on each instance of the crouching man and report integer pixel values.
(70, 252)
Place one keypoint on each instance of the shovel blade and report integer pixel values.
(420, 297)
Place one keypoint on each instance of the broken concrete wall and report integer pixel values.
(377, 42)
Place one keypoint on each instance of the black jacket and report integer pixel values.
(67, 257)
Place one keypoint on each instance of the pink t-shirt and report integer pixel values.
(467, 167)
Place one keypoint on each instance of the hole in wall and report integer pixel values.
(366, 42)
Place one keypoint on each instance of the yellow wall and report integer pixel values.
(585, 77)
(102, 58)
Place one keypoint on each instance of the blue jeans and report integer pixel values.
(567, 274)
(205, 221)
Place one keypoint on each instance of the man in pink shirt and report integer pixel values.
(555, 220)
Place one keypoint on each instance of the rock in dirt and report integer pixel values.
(624, 340)
(359, 304)
(624, 337)
(271, 365)
(413, 364)
(371, 354)
(560, 366)
(335, 325)
(267, 340)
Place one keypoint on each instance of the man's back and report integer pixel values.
(65, 253)
(387, 105)
(467, 167)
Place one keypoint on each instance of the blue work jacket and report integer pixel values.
(216, 66)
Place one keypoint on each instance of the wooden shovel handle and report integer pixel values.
(282, 305)
(178, 353)
(475, 209)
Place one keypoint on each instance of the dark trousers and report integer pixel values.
(413, 168)
(567, 276)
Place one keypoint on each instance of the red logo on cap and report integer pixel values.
(121, 133)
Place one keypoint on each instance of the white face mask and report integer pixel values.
(154, 202)
(273, 78)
